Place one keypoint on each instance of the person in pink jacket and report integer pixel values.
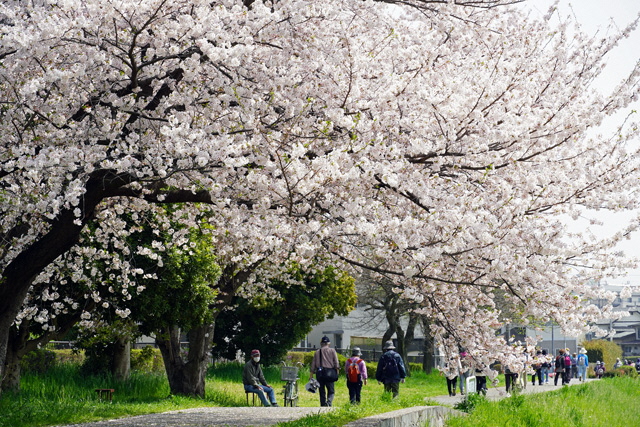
(356, 371)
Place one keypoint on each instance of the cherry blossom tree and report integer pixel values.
(433, 142)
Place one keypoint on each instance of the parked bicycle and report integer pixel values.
(290, 375)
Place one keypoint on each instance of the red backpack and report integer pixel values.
(567, 361)
(353, 370)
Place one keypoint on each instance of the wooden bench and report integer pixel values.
(105, 393)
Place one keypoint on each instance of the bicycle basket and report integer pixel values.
(288, 373)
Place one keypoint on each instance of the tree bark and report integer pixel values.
(122, 358)
(186, 373)
(11, 379)
(427, 349)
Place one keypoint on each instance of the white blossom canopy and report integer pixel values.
(435, 143)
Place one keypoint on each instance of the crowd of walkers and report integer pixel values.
(459, 367)
(543, 367)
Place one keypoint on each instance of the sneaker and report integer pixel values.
(275, 404)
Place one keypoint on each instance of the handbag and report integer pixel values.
(329, 375)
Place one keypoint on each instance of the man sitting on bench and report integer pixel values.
(254, 382)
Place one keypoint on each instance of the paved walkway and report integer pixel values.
(262, 417)
(497, 393)
(205, 417)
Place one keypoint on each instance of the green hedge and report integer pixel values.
(623, 371)
(605, 351)
(38, 361)
(147, 359)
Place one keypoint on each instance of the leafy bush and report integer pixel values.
(294, 357)
(606, 351)
(415, 367)
(308, 358)
(74, 356)
(469, 403)
(623, 371)
(38, 361)
(147, 359)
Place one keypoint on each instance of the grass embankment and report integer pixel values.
(611, 402)
(64, 396)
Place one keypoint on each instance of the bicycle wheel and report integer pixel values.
(288, 394)
(294, 396)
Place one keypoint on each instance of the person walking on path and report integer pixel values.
(583, 363)
(537, 368)
(599, 369)
(356, 371)
(326, 367)
(254, 382)
(566, 376)
(465, 370)
(618, 363)
(450, 371)
(574, 365)
(510, 378)
(546, 366)
(559, 367)
(391, 371)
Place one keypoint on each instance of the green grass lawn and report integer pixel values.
(611, 402)
(63, 396)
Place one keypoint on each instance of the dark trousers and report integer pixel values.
(354, 391)
(558, 375)
(327, 391)
(481, 384)
(392, 388)
(451, 385)
(510, 381)
(537, 373)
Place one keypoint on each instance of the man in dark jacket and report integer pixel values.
(254, 382)
(391, 371)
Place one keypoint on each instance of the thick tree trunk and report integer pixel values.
(427, 349)
(186, 374)
(11, 379)
(122, 358)
(407, 339)
(8, 310)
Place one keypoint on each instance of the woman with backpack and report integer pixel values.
(566, 376)
(583, 364)
(599, 369)
(356, 371)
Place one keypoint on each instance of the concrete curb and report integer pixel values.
(417, 416)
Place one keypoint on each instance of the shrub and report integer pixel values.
(71, 356)
(147, 359)
(308, 358)
(606, 351)
(294, 357)
(372, 368)
(38, 361)
(623, 371)
(469, 403)
(415, 367)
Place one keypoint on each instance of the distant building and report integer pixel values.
(626, 331)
